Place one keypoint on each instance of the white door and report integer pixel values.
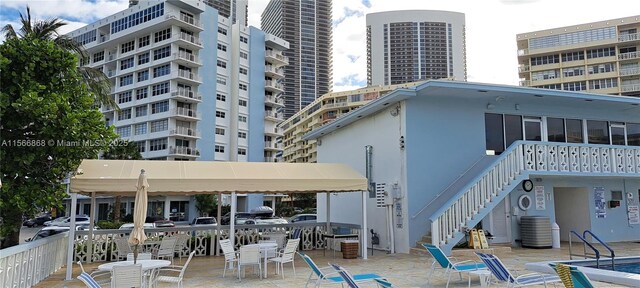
(500, 222)
(532, 127)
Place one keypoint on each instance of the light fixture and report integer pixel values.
(517, 106)
(490, 106)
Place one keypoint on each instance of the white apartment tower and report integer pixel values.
(415, 45)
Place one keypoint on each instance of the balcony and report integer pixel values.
(185, 113)
(184, 74)
(275, 132)
(523, 52)
(186, 95)
(185, 58)
(630, 88)
(184, 151)
(103, 38)
(629, 37)
(273, 101)
(630, 71)
(629, 55)
(184, 132)
(190, 39)
(272, 146)
(276, 58)
(271, 115)
(525, 83)
(273, 86)
(111, 73)
(185, 19)
(524, 68)
(273, 72)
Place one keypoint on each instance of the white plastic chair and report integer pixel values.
(166, 249)
(286, 256)
(101, 278)
(141, 256)
(122, 246)
(181, 243)
(230, 255)
(173, 269)
(249, 255)
(126, 276)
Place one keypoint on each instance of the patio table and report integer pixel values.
(265, 248)
(147, 265)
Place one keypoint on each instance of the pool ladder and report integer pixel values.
(596, 253)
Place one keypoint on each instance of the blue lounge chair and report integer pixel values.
(345, 276)
(460, 267)
(383, 283)
(571, 276)
(502, 274)
(326, 277)
(88, 280)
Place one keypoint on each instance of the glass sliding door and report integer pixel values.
(598, 132)
(512, 129)
(555, 130)
(532, 128)
(618, 133)
(494, 133)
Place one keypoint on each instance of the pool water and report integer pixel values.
(622, 267)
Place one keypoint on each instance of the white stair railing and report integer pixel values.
(514, 165)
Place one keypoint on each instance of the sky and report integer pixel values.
(491, 27)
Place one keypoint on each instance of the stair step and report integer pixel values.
(426, 239)
(420, 251)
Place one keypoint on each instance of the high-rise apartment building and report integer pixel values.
(189, 84)
(600, 57)
(236, 10)
(415, 45)
(307, 26)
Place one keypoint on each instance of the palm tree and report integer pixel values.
(47, 30)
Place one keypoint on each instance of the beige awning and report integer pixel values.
(119, 177)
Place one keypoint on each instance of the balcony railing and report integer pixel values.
(629, 55)
(190, 38)
(523, 52)
(181, 150)
(525, 83)
(630, 71)
(184, 131)
(629, 37)
(278, 56)
(274, 84)
(181, 92)
(524, 68)
(104, 38)
(630, 88)
(271, 69)
(184, 18)
(273, 99)
(188, 75)
(186, 56)
(185, 112)
(271, 114)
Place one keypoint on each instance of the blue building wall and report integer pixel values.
(255, 138)
(208, 72)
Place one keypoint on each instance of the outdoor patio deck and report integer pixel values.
(403, 270)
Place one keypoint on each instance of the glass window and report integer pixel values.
(141, 128)
(494, 133)
(143, 58)
(162, 35)
(555, 130)
(156, 145)
(574, 131)
(633, 134)
(598, 132)
(162, 53)
(143, 75)
(162, 70)
(128, 47)
(618, 134)
(124, 97)
(512, 129)
(179, 211)
(532, 129)
(126, 80)
(160, 107)
(143, 41)
(141, 111)
(160, 125)
(219, 148)
(141, 93)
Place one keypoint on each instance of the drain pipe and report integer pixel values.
(369, 170)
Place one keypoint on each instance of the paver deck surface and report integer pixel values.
(403, 270)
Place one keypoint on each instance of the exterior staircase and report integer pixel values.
(522, 159)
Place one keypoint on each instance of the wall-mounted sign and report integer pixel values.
(598, 197)
(540, 203)
(633, 214)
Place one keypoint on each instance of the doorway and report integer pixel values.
(572, 210)
(500, 222)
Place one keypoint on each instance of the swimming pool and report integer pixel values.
(627, 269)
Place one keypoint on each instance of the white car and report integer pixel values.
(66, 221)
(303, 218)
(269, 221)
(129, 226)
(204, 221)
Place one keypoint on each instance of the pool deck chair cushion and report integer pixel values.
(328, 274)
(572, 277)
(460, 267)
(88, 280)
(502, 274)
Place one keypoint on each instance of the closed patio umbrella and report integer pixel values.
(137, 236)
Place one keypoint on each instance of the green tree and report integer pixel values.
(49, 123)
(127, 150)
(207, 203)
(98, 83)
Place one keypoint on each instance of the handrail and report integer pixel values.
(446, 188)
(613, 254)
(584, 246)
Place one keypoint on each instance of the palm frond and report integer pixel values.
(99, 85)
(8, 31)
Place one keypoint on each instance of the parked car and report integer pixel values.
(38, 221)
(66, 221)
(129, 226)
(241, 218)
(269, 220)
(164, 224)
(303, 218)
(48, 231)
(55, 222)
(204, 221)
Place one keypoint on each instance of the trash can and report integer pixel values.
(349, 249)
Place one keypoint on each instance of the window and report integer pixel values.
(98, 56)
(574, 131)
(572, 56)
(127, 47)
(124, 114)
(575, 86)
(162, 35)
(242, 103)
(85, 38)
(244, 39)
(222, 47)
(143, 58)
(162, 53)
(124, 131)
(633, 134)
(242, 87)
(243, 55)
(161, 70)
(179, 211)
(598, 132)
(141, 111)
(222, 64)
(601, 52)
(602, 68)
(221, 97)
(219, 149)
(544, 75)
(542, 60)
(160, 107)
(242, 119)
(126, 80)
(222, 31)
(221, 80)
(143, 75)
(494, 132)
(158, 144)
(603, 83)
(124, 97)
(220, 114)
(242, 135)
(512, 129)
(142, 145)
(242, 151)
(141, 129)
(137, 18)
(573, 71)
(243, 71)
(141, 93)
(555, 130)
(143, 41)
(126, 63)
(160, 125)
(219, 131)
(160, 89)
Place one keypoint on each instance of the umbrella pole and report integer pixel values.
(135, 253)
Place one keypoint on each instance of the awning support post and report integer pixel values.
(232, 219)
(92, 219)
(364, 224)
(72, 234)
